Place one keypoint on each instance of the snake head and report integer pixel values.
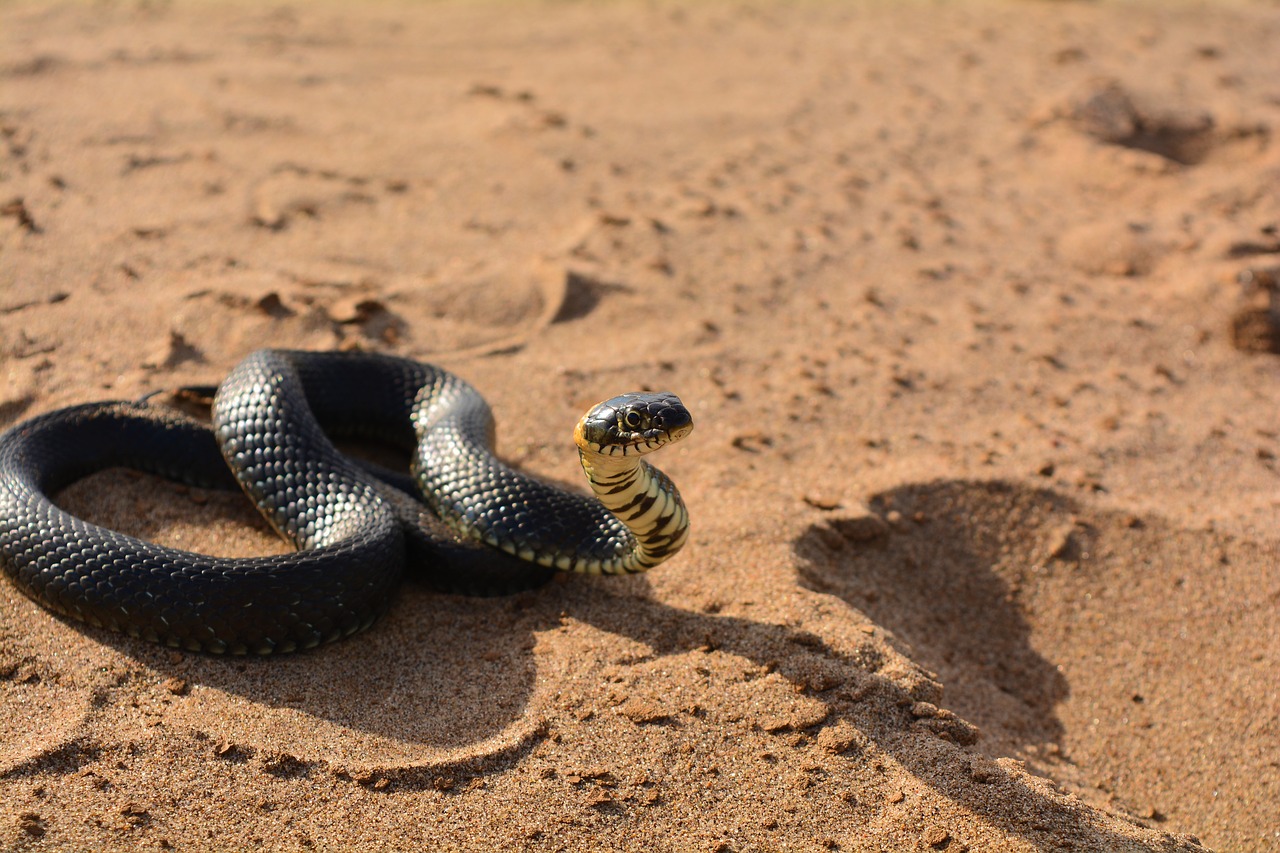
(633, 424)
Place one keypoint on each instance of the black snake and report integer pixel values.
(272, 421)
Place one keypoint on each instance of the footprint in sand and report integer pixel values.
(480, 312)
(292, 192)
(1049, 624)
(488, 307)
(335, 306)
(1109, 112)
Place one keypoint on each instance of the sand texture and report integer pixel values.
(972, 305)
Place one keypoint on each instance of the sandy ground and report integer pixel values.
(968, 301)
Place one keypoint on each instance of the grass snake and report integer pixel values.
(474, 524)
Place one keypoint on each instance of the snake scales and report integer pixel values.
(485, 527)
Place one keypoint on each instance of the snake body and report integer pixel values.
(482, 526)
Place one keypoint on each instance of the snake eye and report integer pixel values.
(632, 419)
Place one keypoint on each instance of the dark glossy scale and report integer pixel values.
(473, 490)
(351, 529)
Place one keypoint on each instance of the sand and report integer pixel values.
(970, 304)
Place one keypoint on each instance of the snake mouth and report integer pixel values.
(633, 424)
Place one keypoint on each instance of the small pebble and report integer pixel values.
(936, 837)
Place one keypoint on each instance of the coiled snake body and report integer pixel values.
(272, 418)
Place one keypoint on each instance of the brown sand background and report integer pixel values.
(968, 302)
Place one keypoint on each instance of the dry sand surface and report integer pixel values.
(970, 304)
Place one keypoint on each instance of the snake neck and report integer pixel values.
(646, 501)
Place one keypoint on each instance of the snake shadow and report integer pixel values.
(438, 678)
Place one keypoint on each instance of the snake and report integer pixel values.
(474, 522)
